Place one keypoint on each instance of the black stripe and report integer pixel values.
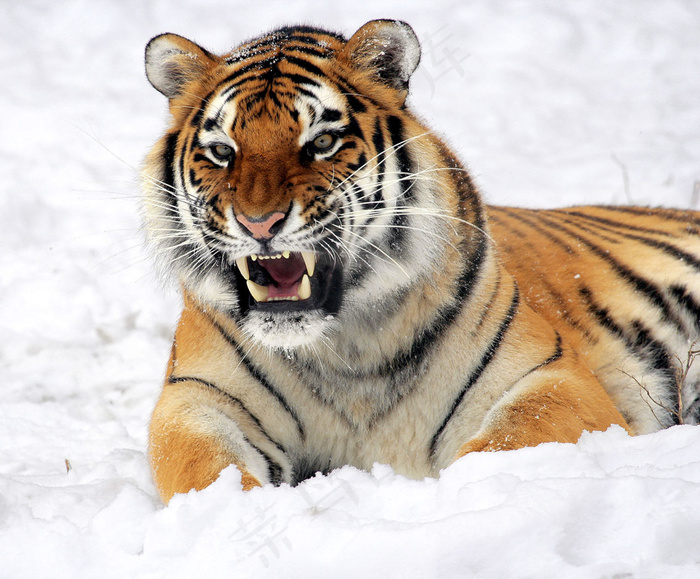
(668, 248)
(353, 128)
(213, 205)
(195, 205)
(378, 141)
(168, 188)
(379, 146)
(237, 78)
(506, 223)
(687, 217)
(305, 35)
(398, 231)
(253, 49)
(638, 339)
(532, 224)
(398, 138)
(428, 339)
(486, 359)
(236, 401)
(687, 301)
(642, 285)
(488, 307)
(256, 373)
(228, 94)
(563, 306)
(446, 316)
(301, 31)
(611, 223)
(211, 124)
(653, 350)
(274, 469)
(602, 315)
(273, 97)
(308, 93)
(558, 353)
(301, 79)
(614, 227)
(199, 158)
(352, 167)
(311, 50)
(347, 146)
(397, 228)
(331, 115)
(306, 65)
(355, 104)
(197, 117)
(193, 179)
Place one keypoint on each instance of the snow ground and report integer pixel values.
(550, 103)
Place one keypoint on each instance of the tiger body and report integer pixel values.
(349, 299)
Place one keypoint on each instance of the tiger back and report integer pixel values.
(348, 298)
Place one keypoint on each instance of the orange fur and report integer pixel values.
(549, 412)
(183, 457)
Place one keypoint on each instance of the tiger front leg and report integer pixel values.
(192, 439)
(557, 405)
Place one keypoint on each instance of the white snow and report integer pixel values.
(549, 102)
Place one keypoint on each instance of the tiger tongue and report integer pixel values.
(285, 272)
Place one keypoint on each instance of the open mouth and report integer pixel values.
(285, 276)
(291, 280)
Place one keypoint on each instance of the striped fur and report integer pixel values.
(426, 325)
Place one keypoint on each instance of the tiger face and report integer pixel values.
(286, 188)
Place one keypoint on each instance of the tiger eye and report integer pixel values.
(324, 142)
(222, 152)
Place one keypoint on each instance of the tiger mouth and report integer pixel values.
(290, 280)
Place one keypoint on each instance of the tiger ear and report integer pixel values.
(172, 61)
(389, 48)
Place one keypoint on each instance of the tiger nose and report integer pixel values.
(262, 227)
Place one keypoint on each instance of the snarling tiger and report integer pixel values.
(349, 299)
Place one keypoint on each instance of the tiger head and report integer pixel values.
(287, 191)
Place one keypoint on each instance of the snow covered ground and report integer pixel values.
(550, 102)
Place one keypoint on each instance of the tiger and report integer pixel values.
(350, 299)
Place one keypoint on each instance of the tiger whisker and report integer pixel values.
(327, 342)
(429, 212)
(389, 152)
(388, 257)
(355, 256)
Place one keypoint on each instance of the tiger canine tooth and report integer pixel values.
(258, 292)
(242, 263)
(304, 291)
(310, 261)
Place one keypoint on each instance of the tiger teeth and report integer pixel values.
(310, 261)
(308, 256)
(261, 293)
(258, 292)
(284, 254)
(304, 291)
(242, 263)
